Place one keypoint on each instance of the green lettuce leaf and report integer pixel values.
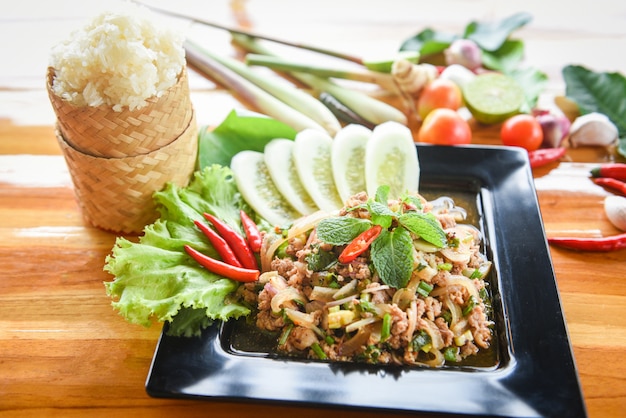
(238, 132)
(154, 279)
(599, 92)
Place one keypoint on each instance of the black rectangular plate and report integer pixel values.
(535, 375)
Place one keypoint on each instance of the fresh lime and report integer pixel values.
(493, 97)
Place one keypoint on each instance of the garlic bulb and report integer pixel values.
(593, 129)
(615, 209)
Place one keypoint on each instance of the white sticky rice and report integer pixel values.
(119, 59)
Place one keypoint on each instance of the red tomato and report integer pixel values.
(445, 127)
(440, 92)
(522, 131)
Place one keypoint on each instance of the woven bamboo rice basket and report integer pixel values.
(116, 194)
(100, 131)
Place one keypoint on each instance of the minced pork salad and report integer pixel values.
(383, 281)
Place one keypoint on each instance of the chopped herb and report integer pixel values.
(318, 351)
(420, 341)
(385, 331)
(471, 303)
(445, 266)
(424, 288)
(451, 354)
(320, 260)
(285, 334)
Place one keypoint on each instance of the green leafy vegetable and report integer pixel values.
(424, 225)
(155, 279)
(392, 256)
(598, 92)
(490, 36)
(239, 132)
(341, 230)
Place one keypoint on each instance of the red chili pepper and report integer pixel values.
(239, 274)
(220, 244)
(252, 232)
(611, 183)
(359, 244)
(613, 170)
(544, 156)
(236, 241)
(612, 243)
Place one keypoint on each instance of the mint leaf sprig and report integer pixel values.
(392, 250)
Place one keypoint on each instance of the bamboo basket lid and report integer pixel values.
(100, 131)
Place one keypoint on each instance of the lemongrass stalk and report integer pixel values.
(250, 92)
(369, 108)
(358, 74)
(292, 96)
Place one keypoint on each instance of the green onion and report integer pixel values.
(424, 288)
(447, 316)
(385, 331)
(444, 266)
(318, 351)
(470, 306)
(329, 340)
(285, 334)
(451, 354)
(476, 274)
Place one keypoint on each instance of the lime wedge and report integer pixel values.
(493, 97)
(282, 169)
(391, 159)
(384, 64)
(348, 156)
(312, 154)
(257, 188)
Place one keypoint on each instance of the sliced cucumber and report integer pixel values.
(312, 154)
(279, 161)
(257, 188)
(391, 159)
(348, 160)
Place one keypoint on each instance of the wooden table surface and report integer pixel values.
(65, 352)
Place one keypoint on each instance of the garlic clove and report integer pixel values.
(615, 209)
(458, 74)
(593, 129)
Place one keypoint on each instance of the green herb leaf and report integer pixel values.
(599, 92)
(491, 35)
(382, 194)
(424, 225)
(392, 256)
(321, 260)
(381, 214)
(238, 132)
(533, 82)
(341, 230)
(428, 42)
(413, 200)
(506, 58)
